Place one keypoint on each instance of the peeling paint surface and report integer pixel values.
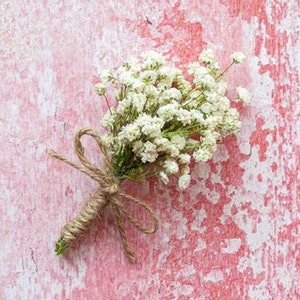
(234, 234)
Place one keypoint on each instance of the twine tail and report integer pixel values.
(117, 216)
(82, 222)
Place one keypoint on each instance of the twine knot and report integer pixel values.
(111, 189)
(108, 193)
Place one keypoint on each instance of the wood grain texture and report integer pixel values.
(233, 235)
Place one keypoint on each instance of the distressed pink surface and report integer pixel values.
(233, 235)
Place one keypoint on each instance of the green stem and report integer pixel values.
(60, 246)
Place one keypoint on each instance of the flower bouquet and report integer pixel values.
(160, 121)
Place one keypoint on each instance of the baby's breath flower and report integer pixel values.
(137, 147)
(152, 60)
(210, 139)
(184, 158)
(238, 57)
(129, 133)
(198, 116)
(207, 56)
(172, 94)
(161, 143)
(149, 153)
(184, 181)
(220, 88)
(223, 104)
(168, 72)
(184, 116)
(164, 177)
(168, 111)
(100, 89)
(178, 141)
(206, 107)
(133, 64)
(202, 154)
(172, 150)
(108, 139)
(106, 76)
(183, 85)
(138, 100)
(127, 78)
(212, 96)
(243, 94)
(171, 167)
(150, 126)
(149, 76)
(231, 122)
(109, 118)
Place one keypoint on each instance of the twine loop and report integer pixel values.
(108, 193)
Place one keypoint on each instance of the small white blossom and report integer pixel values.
(184, 158)
(202, 154)
(243, 94)
(150, 126)
(238, 57)
(172, 94)
(100, 89)
(149, 76)
(208, 81)
(223, 104)
(137, 147)
(212, 96)
(138, 100)
(172, 150)
(195, 66)
(108, 139)
(183, 85)
(152, 59)
(106, 76)
(184, 181)
(206, 107)
(149, 153)
(210, 139)
(168, 111)
(133, 65)
(184, 116)
(109, 118)
(164, 177)
(127, 78)
(171, 167)
(161, 143)
(198, 116)
(231, 122)
(178, 141)
(167, 72)
(221, 88)
(138, 85)
(129, 133)
(207, 56)
(151, 91)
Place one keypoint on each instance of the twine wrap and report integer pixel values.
(108, 193)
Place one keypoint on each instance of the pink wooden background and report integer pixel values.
(233, 235)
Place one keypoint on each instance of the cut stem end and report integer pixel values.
(60, 246)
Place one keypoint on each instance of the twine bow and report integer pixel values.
(108, 193)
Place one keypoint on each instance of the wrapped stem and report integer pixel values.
(82, 221)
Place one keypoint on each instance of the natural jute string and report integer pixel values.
(108, 193)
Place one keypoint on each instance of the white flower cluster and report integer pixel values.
(162, 121)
